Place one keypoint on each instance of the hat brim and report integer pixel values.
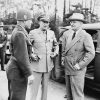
(84, 21)
(44, 20)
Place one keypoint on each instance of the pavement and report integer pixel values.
(56, 91)
(3, 86)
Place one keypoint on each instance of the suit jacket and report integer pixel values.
(43, 46)
(19, 64)
(3, 40)
(79, 50)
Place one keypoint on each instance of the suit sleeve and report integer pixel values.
(63, 41)
(21, 54)
(89, 52)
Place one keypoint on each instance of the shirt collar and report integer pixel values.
(78, 30)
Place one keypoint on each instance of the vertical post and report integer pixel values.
(85, 4)
(94, 6)
(90, 10)
(55, 11)
(64, 10)
(6, 8)
(82, 3)
(69, 5)
(90, 5)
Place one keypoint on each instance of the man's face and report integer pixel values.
(44, 24)
(76, 24)
(28, 24)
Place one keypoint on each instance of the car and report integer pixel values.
(92, 77)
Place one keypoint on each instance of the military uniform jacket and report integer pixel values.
(79, 50)
(43, 47)
(19, 64)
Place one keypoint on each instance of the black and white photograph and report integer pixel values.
(49, 49)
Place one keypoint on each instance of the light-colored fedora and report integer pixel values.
(77, 17)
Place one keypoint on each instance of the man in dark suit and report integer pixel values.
(3, 41)
(77, 52)
(18, 69)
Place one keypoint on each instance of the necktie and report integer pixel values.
(45, 35)
(73, 35)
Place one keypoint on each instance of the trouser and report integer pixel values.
(2, 56)
(17, 89)
(75, 87)
(40, 79)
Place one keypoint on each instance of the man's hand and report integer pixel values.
(34, 57)
(30, 79)
(76, 67)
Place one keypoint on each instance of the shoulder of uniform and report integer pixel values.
(19, 33)
(50, 31)
(34, 32)
(19, 28)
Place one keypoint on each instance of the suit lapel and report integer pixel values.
(74, 41)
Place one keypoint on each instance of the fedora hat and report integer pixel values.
(77, 17)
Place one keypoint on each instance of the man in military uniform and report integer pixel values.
(18, 69)
(45, 48)
(3, 41)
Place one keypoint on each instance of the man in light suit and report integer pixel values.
(45, 48)
(77, 52)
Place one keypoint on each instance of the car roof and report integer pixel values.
(89, 26)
